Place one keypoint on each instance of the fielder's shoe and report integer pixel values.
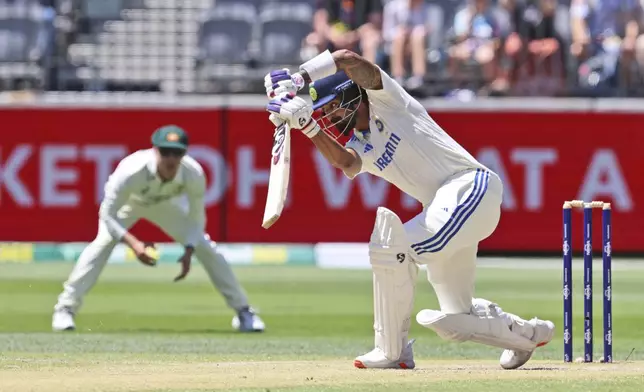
(543, 334)
(63, 320)
(247, 320)
(375, 359)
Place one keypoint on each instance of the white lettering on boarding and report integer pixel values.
(10, 180)
(534, 160)
(54, 176)
(60, 180)
(603, 178)
(337, 188)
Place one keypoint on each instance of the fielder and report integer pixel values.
(394, 138)
(166, 187)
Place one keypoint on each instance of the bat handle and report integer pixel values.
(298, 80)
(275, 120)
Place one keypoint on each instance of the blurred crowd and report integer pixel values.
(450, 48)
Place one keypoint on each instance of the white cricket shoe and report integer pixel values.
(63, 320)
(375, 359)
(543, 333)
(247, 320)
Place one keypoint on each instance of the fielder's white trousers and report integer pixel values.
(446, 234)
(171, 217)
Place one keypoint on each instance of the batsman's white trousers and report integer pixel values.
(171, 217)
(446, 234)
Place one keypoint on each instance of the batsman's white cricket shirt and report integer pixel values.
(135, 182)
(405, 146)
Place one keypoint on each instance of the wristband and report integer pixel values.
(311, 129)
(320, 66)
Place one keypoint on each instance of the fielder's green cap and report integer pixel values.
(170, 136)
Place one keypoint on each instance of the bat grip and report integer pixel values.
(275, 120)
(298, 80)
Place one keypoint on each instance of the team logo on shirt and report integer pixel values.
(390, 150)
(380, 125)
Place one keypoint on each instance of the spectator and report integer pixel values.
(347, 24)
(639, 46)
(476, 38)
(533, 47)
(606, 31)
(316, 41)
(405, 36)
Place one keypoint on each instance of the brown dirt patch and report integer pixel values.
(127, 376)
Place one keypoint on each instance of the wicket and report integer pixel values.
(588, 279)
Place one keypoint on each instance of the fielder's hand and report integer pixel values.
(185, 261)
(142, 254)
(282, 82)
(295, 111)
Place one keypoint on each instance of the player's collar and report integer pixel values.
(378, 123)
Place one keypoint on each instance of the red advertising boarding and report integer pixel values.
(543, 158)
(53, 164)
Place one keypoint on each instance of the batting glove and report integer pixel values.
(282, 82)
(296, 112)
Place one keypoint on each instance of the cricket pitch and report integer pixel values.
(19, 375)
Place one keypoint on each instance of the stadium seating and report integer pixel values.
(181, 46)
(282, 28)
(225, 38)
(148, 45)
(26, 34)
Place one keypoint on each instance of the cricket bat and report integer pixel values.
(279, 175)
(280, 166)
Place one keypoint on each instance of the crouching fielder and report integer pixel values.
(394, 138)
(166, 187)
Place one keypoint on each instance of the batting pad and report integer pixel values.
(394, 281)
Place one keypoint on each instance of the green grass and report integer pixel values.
(137, 315)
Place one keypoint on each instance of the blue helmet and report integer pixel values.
(327, 89)
(343, 117)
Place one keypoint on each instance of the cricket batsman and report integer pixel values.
(166, 187)
(394, 138)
